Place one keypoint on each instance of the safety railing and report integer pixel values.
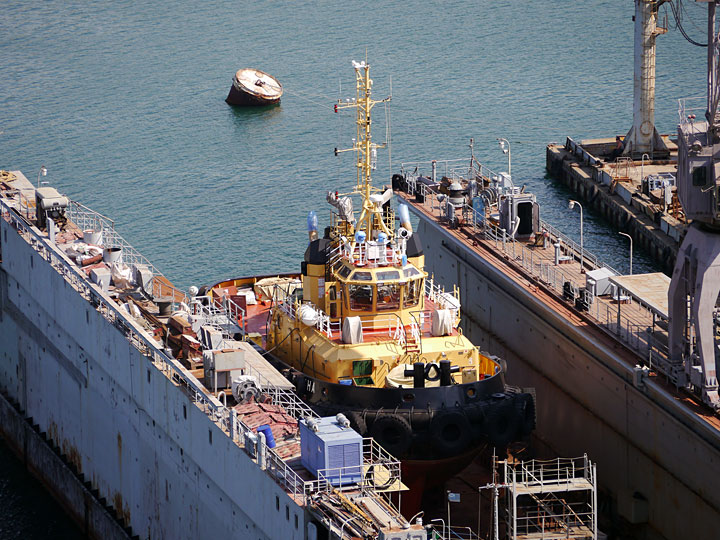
(220, 312)
(550, 472)
(159, 287)
(631, 330)
(85, 219)
(441, 532)
(371, 254)
(691, 109)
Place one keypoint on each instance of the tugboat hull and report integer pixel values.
(427, 423)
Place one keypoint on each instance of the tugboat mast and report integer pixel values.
(365, 149)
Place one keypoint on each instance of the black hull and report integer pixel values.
(240, 98)
(425, 423)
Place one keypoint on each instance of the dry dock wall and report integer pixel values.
(138, 438)
(644, 446)
(92, 516)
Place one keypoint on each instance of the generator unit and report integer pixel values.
(49, 204)
(332, 449)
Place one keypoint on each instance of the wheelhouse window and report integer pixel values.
(411, 271)
(360, 297)
(387, 275)
(361, 276)
(344, 271)
(388, 296)
(413, 289)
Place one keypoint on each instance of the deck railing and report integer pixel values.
(636, 333)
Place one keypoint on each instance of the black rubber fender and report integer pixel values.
(450, 432)
(357, 422)
(525, 406)
(502, 423)
(393, 433)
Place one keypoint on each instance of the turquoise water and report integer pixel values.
(123, 102)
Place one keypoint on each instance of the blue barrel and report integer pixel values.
(269, 439)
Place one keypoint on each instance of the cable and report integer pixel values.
(674, 9)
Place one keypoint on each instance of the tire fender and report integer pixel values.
(393, 433)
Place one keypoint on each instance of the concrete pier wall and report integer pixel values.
(657, 460)
(659, 235)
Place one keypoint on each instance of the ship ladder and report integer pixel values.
(412, 340)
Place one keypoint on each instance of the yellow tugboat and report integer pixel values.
(363, 330)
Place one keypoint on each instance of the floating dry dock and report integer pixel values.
(595, 362)
(96, 398)
(629, 193)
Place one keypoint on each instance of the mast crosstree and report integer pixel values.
(366, 151)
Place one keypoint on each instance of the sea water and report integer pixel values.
(123, 102)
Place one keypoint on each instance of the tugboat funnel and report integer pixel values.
(404, 215)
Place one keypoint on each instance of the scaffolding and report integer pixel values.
(546, 500)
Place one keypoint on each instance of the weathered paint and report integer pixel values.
(41, 460)
(83, 383)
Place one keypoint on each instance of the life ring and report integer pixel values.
(393, 433)
(502, 423)
(450, 432)
(435, 377)
(357, 422)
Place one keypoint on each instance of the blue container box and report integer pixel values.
(334, 450)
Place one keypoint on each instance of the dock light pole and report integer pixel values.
(505, 146)
(630, 237)
(41, 172)
(571, 205)
(642, 167)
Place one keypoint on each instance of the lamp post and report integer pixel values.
(505, 146)
(631, 249)
(571, 205)
(642, 167)
(41, 172)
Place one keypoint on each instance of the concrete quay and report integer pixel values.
(616, 191)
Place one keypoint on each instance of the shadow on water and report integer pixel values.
(242, 113)
(26, 509)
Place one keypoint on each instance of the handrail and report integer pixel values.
(633, 333)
